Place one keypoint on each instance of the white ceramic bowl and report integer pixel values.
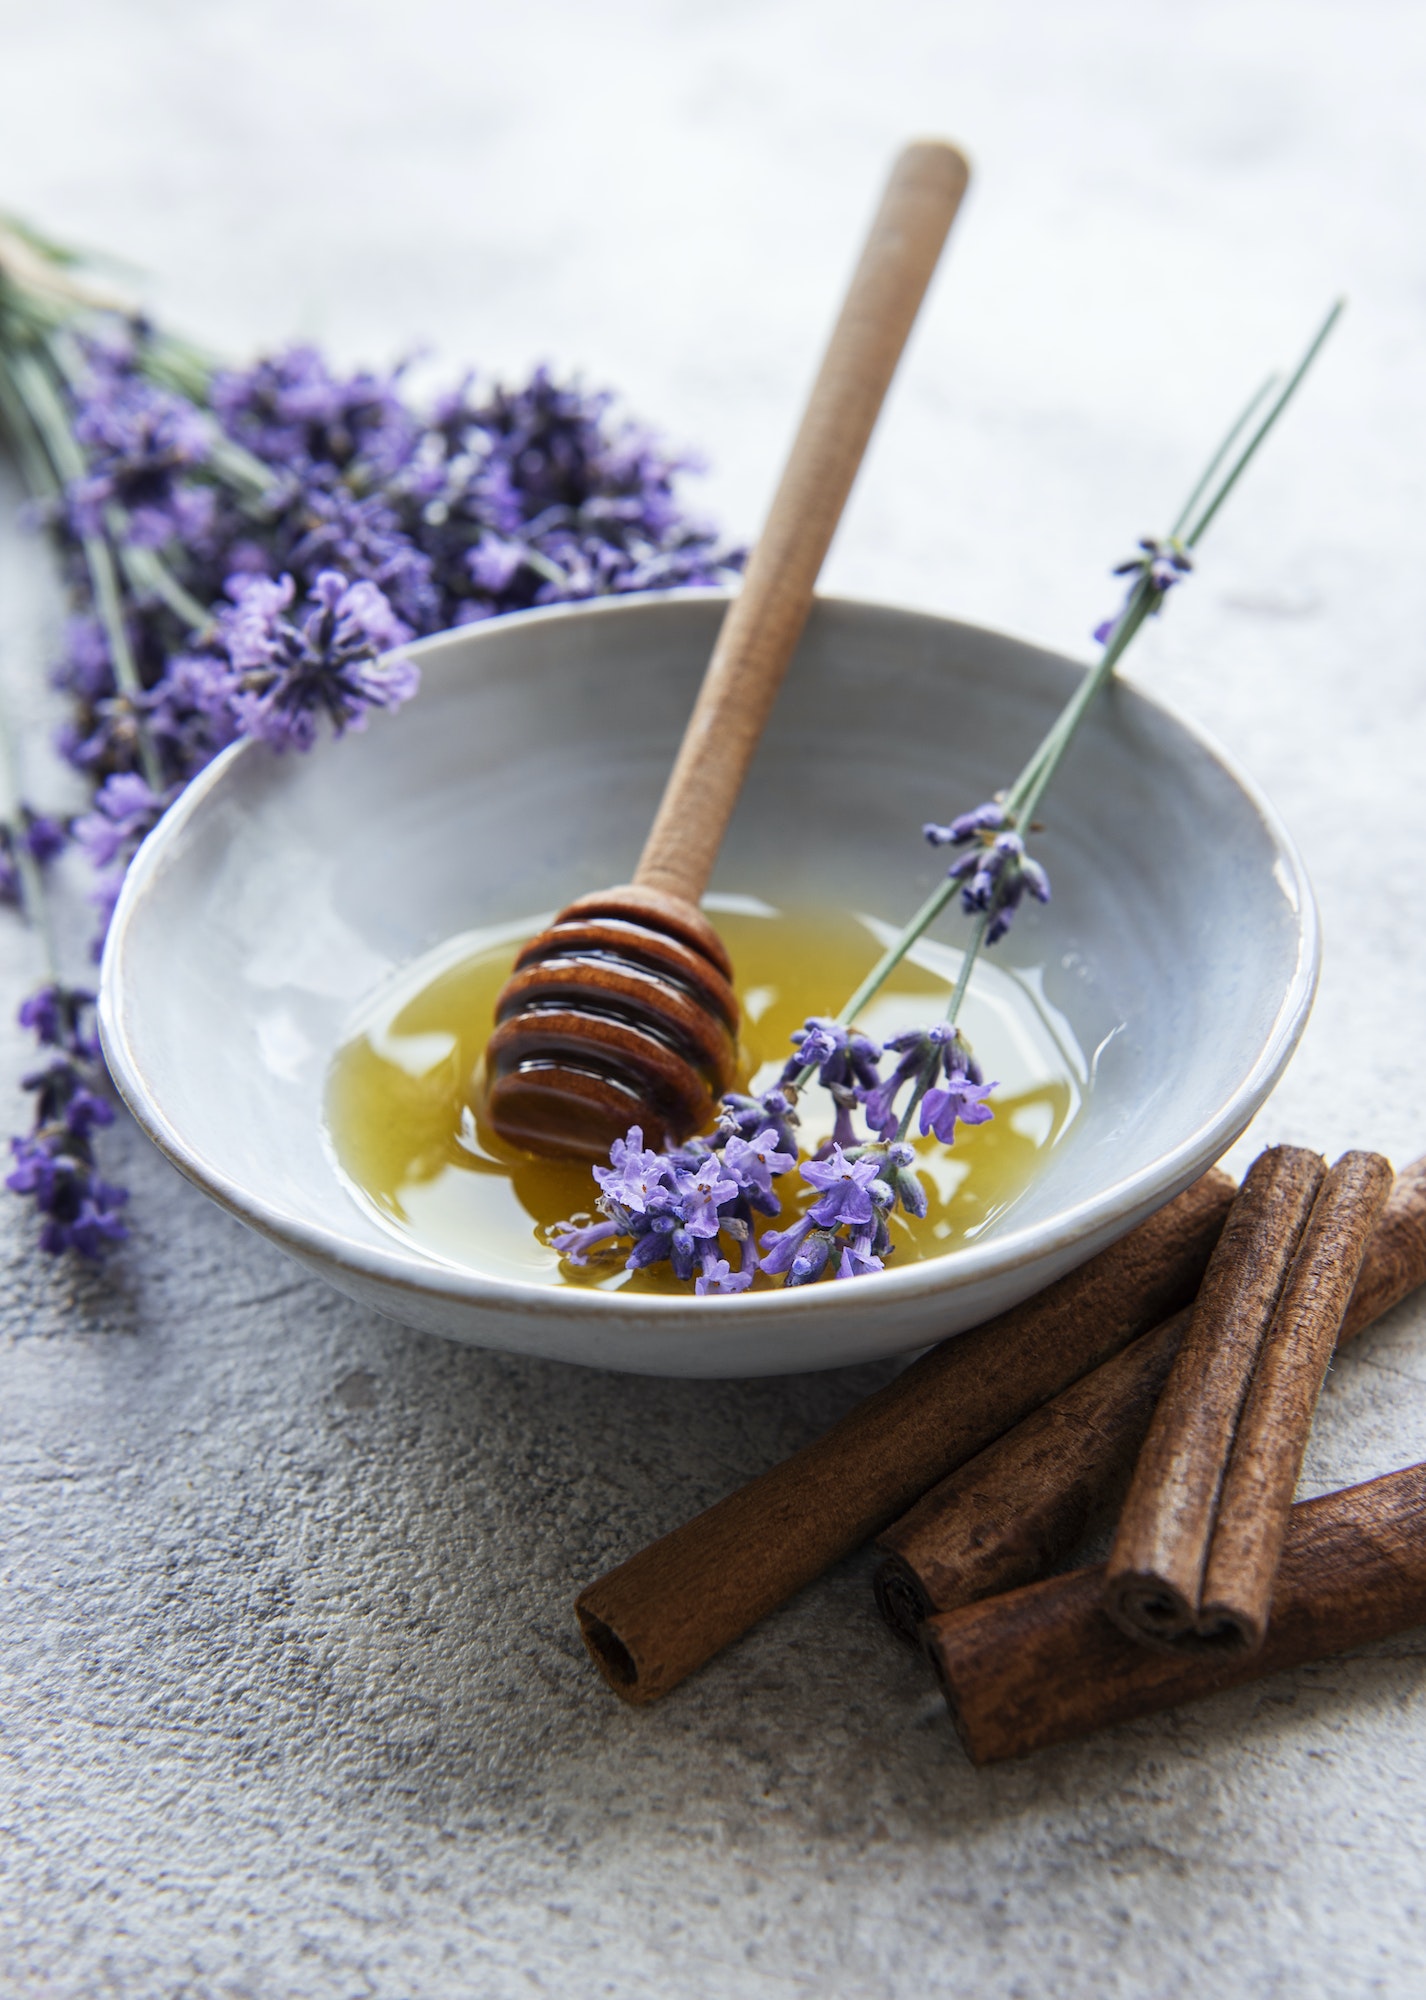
(279, 892)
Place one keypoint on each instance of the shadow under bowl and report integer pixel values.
(280, 892)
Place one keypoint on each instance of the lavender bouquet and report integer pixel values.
(697, 1207)
(246, 551)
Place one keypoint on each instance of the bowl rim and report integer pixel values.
(975, 1263)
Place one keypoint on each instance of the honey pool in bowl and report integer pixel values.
(402, 1095)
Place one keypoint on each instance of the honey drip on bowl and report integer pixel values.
(403, 1090)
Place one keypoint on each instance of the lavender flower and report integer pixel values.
(676, 1206)
(86, 670)
(997, 871)
(754, 1163)
(290, 671)
(842, 1057)
(37, 835)
(125, 811)
(362, 537)
(1159, 566)
(62, 1017)
(637, 1179)
(140, 442)
(190, 713)
(750, 1117)
(927, 1055)
(960, 1098)
(845, 1188)
(54, 1162)
(293, 412)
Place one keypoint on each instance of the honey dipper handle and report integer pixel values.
(764, 622)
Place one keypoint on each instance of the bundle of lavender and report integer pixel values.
(246, 550)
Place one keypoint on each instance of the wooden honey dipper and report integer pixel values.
(622, 1012)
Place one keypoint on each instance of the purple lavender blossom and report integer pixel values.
(997, 871)
(37, 835)
(717, 1275)
(575, 1241)
(54, 1162)
(901, 1177)
(958, 1099)
(86, 669)
(858, 1259)
(842, 1056)
(702, 1195)
(362, 537)
(189, 713)
(749, 1117)
(637, 1179)
(140, 442)
(799, 1255)
(293, 412)
(379, 521)
(846, 1188)
(541, 494)
(79, 1207)
(927, 1056)
(1160, 564)
(673, 1207)
(288, 672)
(125, 811)
(979, 821)
(62, 1017)
(754, 1163)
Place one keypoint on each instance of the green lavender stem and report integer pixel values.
(1143, 602)
(33, 896)
(46, 412)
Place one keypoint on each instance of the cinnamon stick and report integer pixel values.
(1044, 1664)
(1020, 1506)
(1155, 1572)
(1272, 1432)
(1395, 1263)
(660, 1615)
(1010, 1513)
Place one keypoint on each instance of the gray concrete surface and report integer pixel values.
(293, 1703)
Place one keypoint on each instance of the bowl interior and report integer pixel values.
(1180, 944)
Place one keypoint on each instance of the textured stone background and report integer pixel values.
(293, 1700)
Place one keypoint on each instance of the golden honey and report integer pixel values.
(403, 1093)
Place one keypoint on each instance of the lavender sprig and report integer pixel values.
(54, 1162)
(935, 1082)
(1153, 576)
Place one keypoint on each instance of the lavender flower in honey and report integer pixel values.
(942, 1081)
(677, 1208)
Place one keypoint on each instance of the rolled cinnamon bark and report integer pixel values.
(1395, 1263)
(1155, 1572)
(1005, 1517)
(660, 1615)
(1020, 1506)
(1272, 1432)
(1044, 1664)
